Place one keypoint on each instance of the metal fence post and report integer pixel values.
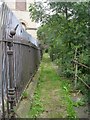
(11, 89)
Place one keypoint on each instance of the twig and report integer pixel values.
(81, 64)
(83, 82)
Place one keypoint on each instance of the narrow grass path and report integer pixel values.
(51, 98)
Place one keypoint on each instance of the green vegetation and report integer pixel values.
(65, 31)
(52, 96)
(66, 89)
(80, 102)
(24, 95)
(36, 106)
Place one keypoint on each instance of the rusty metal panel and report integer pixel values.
(0, 76)
(19, 56)
(3, 76)
(24, 65)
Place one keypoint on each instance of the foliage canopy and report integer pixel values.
(65, 27)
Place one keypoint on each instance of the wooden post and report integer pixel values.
(76, 68)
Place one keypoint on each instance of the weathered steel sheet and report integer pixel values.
(0, 76)
(20, 56)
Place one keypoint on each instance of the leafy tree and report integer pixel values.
(65, 28)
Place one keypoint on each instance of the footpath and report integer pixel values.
(49, 95)
(51, 98)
